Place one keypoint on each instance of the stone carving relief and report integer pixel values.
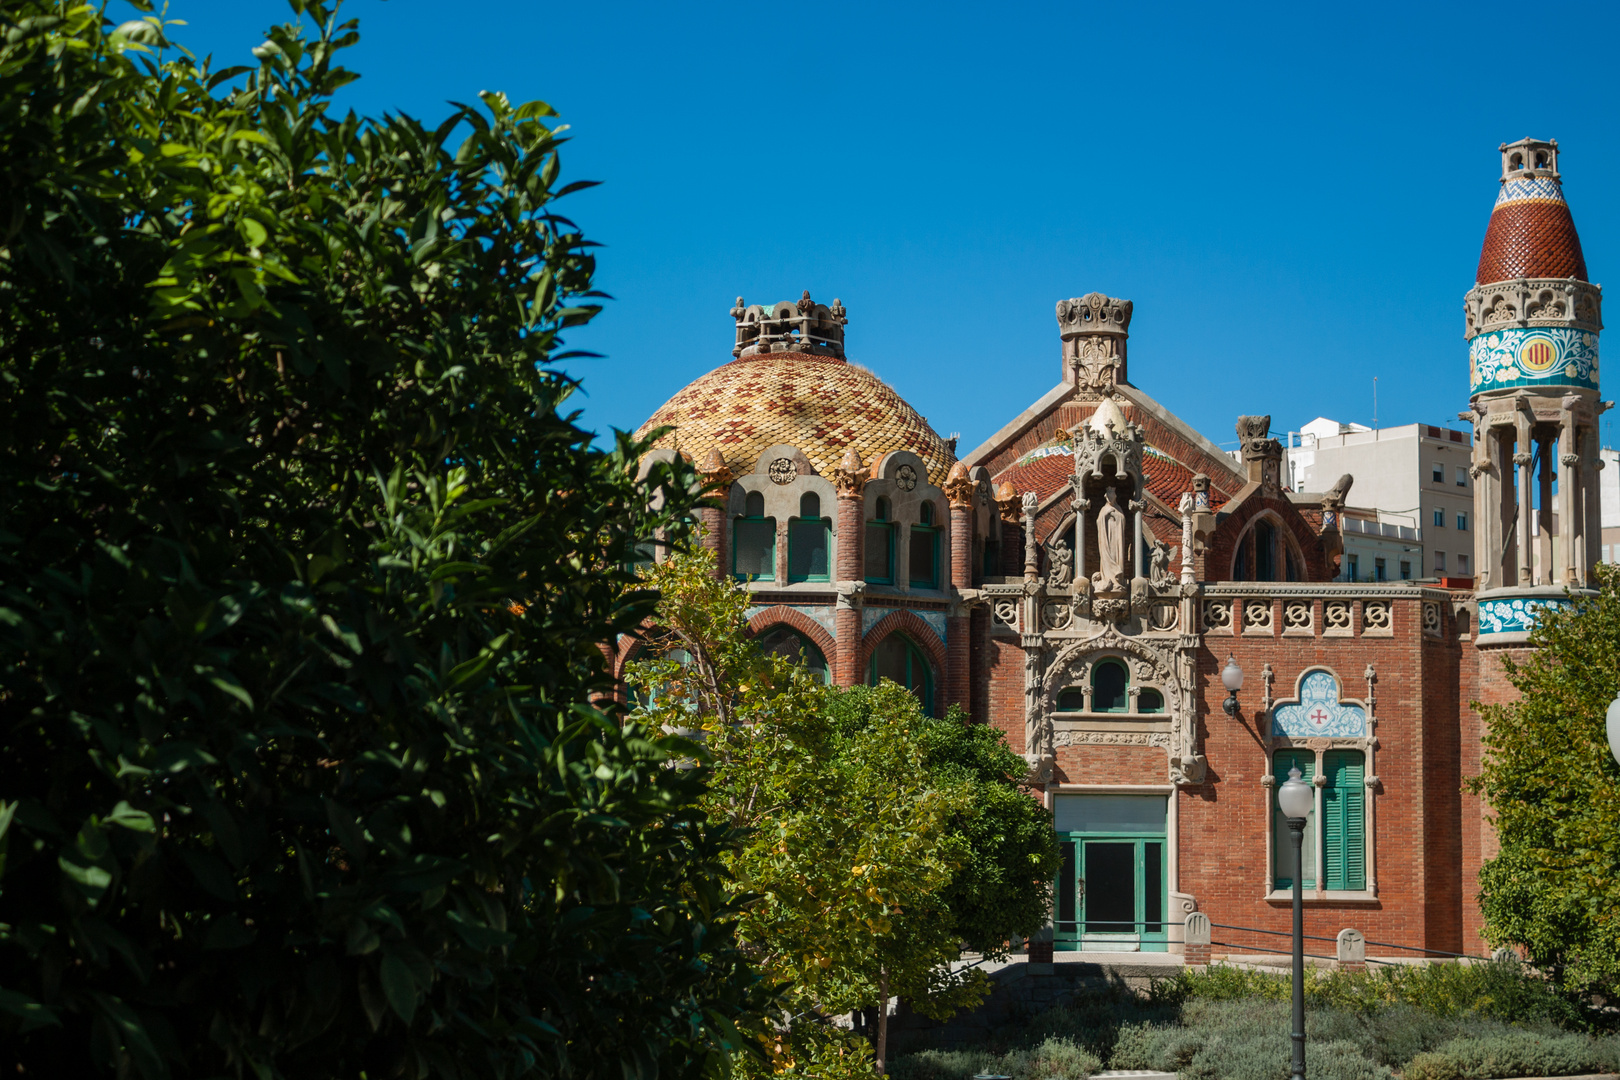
(1056, 616)
(1060, 563)
(905, 477)
(1164, 666)
(1159, 565)
(1037, 719)
(1094, 329)
(1006, 613)
(782, 471)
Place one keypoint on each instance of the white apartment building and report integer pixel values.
(1412, 488)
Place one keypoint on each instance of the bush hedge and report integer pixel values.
(1435, 1022)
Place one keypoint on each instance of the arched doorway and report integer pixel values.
(898, 659)
(788, 642)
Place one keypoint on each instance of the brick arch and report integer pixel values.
(921, 634)
(1242, 516)
(794, 619)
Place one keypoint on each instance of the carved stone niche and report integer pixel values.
(1151, 664)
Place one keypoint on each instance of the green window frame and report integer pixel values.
(1344, 820)
(1110, 669)
(924, 548)
(1282, 845)
(880, 545)
(1150, 702)
(754, 534)
(1071, 699)
(810, 542)
(898, 655)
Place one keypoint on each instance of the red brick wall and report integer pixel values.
(1223, 853)
(1488, 686)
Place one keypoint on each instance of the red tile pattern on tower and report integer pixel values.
(820, 404)
(1531, 238)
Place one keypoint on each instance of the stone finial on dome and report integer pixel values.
(1109, 419)
(801, 326)
(959, 487)
(849, 480)
(714, 469)
(1094, 329)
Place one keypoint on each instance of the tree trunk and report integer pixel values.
(883, 1022)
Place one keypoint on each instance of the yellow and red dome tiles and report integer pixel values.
(823, 405)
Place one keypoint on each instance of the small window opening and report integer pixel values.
(1150, 701)
(1071, 699)
(1109, 683)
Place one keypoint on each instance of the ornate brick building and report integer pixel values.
(1081, 579)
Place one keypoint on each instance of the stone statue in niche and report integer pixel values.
(1062, 565)
(1110, 545)
(1159, 562)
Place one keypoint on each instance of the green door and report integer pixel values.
(1110, 894)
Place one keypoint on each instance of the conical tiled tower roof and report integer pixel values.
(1531, 234)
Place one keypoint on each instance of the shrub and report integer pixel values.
(1052, 1059)
(1515, 1053)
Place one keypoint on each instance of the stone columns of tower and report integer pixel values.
(850, 483)
(960, 490)
(713, 518)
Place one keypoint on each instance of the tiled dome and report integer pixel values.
(1531, 234)
(821, 404)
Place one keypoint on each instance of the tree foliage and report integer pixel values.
(1002, 890)
(304, 569)
(1554, 793)
(879, 839)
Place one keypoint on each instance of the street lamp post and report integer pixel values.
(1295, 799)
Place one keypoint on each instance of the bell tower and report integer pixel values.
(1532, 324)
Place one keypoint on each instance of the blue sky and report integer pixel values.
(1293, 196)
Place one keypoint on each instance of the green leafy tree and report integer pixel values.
(1554, 794)
(304, 570)
(852, 848)
(1002, 890)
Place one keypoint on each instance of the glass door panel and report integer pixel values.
(1110, 877)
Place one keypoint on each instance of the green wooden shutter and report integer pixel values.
(1344, 820)
(1282, 846)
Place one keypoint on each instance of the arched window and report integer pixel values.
(880, 545)
(898, 659)
(1265, 551)
(1071, 699)
(810, 542)
(785, 641)
(753, 542)
(925, 549)
(1110, 682)
(1517, 161)
(1150, 701)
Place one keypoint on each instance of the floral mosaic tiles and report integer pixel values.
(822, 405)
(1541, 356)
(1512, 616)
